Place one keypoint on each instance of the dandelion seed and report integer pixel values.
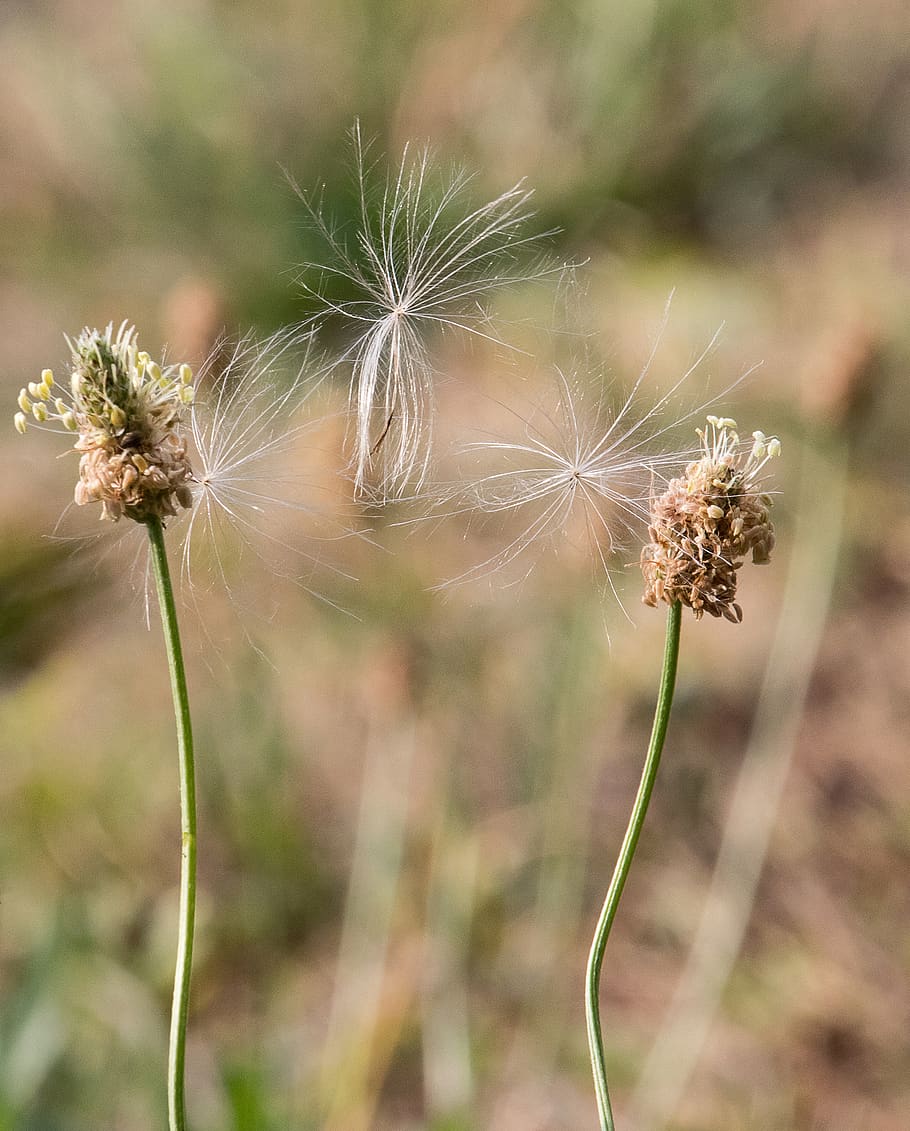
(582, 470)
(708, 521)
(422, 259)
(249, 429)
(566, 477)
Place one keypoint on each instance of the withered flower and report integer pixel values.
(708, 521)
(126, 411)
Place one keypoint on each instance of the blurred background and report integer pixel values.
(410, 803)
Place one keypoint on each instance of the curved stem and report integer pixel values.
(180, 1007)
(621, 871)
(815, 551)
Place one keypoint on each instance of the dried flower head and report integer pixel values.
(125, 411)
(706, 523)
(421, 258)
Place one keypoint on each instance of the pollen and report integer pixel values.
(707, 523)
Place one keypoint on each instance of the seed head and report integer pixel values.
(126, 411)
(706, 523)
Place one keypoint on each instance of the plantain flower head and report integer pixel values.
(126, 412)
(708, 521)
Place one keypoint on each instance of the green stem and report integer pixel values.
(621, 871)
(177, 1047)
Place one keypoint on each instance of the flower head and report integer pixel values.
(245, 455)
(422, 258)
(125, 411)
(707, 521)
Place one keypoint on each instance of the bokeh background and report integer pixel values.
(409, 809)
